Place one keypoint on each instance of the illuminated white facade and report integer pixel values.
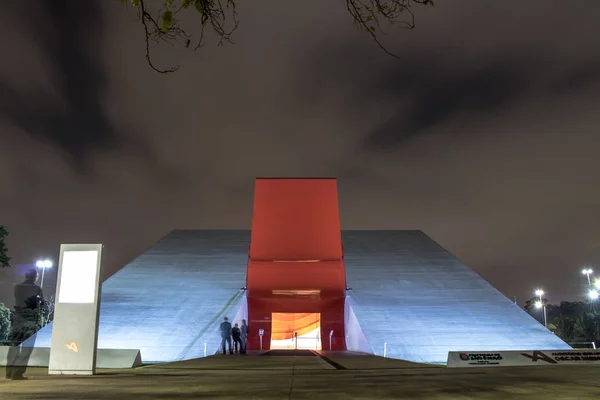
(407, 292)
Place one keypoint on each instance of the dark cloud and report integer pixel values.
(462, 71)
(69, 36)
(579, 78)
(67, 106)
(428, 96)
(428, 88)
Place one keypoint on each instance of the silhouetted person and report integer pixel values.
(235, 335)
(226, 335)
(26, 321)
(243, 336)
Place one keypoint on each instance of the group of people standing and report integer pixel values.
(239, 334)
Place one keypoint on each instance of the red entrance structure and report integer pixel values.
(295, 263)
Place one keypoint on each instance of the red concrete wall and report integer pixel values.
(327, 277)
(296, 221)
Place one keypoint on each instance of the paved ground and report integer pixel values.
(284, 377)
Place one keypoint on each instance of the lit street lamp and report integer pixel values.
(588, 272)
(43, 264)
(593, 295)
(540, 304)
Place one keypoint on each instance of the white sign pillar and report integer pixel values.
(75, 325)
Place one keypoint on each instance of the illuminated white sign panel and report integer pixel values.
(457, 359)
(78, 277)
(75, 325)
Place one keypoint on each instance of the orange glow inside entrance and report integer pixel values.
(306, 325)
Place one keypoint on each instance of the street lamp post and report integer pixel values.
(592, 294)
(43, 264)
(540, 304)
(587, 272)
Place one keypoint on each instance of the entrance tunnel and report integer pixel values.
(296, 280)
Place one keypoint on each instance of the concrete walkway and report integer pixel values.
(338, 376)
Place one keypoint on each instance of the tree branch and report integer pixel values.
(146, 19)
(221, 17)
(369, 14)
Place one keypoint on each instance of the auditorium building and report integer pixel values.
(301, 282)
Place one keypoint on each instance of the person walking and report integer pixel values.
(235, 335)
(26, 322)
(225, 329)
(243, 336)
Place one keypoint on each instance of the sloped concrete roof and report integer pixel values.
(407, 292)
(415, 296)
(170, 300)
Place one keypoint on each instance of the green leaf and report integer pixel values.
(187, 3)
(167, 21)
(135, 3)
(203, 5)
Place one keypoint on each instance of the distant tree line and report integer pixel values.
(4, 311)
(573, 322)
(4, 258)
(40, 316)
(5, 325)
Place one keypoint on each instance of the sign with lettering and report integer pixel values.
(522, 358)
(75, 325)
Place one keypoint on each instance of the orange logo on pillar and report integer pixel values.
(73, 346)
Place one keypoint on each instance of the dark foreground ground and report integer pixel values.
(310, 377)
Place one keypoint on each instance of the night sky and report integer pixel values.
(485, 134)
